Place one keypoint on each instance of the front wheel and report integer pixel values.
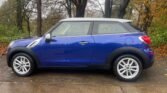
(127, 68)
(22, 64)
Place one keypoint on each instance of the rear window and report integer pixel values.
(131, 27)
(109, 28)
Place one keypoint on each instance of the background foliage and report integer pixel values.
(149, 15)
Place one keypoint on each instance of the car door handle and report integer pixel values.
(83, 43)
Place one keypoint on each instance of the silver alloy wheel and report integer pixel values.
(21, 65)
(128, 68)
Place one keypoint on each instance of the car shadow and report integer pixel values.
(74, 71)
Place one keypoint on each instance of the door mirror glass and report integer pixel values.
(48, 37)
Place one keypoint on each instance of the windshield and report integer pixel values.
(54, 26)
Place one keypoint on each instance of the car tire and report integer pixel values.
(127, 68)
(22, 64)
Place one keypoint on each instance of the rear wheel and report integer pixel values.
(127, 68)
(22, 64)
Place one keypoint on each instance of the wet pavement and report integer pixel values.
(153, 80)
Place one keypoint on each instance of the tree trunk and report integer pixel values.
(108, 8)
(123, 6)
(80, 7)
(39, 18)
(28, 26)
(80, 12)
(19, 15)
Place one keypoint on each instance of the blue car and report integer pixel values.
(85, 43)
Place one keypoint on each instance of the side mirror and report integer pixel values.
(48, 37)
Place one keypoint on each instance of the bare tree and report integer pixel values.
(101, 8)
(39, 18)
(68, 7)
(108, 8)
(123, 6)
(27, 14)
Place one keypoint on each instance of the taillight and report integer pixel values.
(146, 39)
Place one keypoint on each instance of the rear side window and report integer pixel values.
(109, 28)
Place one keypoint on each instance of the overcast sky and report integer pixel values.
(1, 2)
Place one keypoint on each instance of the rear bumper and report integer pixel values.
(149, 58)
(148, 63)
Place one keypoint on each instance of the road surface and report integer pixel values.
(153, 80)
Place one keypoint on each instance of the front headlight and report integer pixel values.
(11, 43)
(34, 43)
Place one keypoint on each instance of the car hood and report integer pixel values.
(23, 42)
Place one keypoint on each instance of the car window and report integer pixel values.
(71, 29)
(132, 27)
(109, 28)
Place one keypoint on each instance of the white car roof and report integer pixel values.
(97, 19)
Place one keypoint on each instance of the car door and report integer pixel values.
(71, 45)
(108, 37)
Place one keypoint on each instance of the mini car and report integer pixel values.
(96, 43)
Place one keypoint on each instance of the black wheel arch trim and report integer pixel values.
(15, 50)
(146, 62)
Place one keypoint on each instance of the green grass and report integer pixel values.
(158, 35)
(9, 33)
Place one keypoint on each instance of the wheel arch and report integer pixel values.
(127, 50)
(16, 50)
